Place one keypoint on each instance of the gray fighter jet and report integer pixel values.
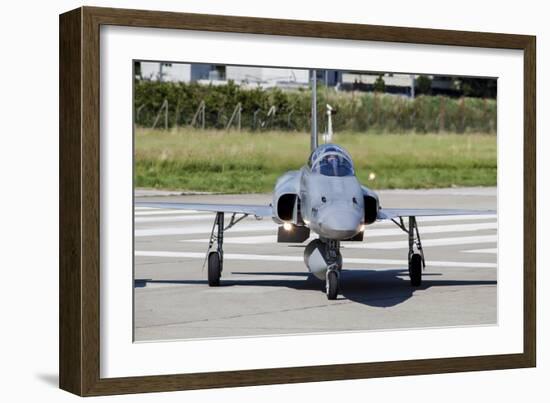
(323, 197)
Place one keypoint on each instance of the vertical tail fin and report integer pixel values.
(314, 140)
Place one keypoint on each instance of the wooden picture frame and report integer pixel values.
(79, 279)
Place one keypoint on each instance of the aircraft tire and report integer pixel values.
(214, 269)
(415, 270)
(332, 285)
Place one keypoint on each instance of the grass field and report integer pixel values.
(250, 162)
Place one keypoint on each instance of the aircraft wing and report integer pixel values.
(251, 209)
(389, 213)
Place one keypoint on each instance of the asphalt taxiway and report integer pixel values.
(266, 288)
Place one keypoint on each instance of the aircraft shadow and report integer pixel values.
(387, 288)
(376, 288)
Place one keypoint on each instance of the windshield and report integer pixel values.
(327, 149)
(333, 165)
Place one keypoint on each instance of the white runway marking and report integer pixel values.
(245, 240)
(146, 211)
(435, 229)
(253, 226)
(281, 258)
(425, 242)
(228, 290)
(489, 250)
(189, 217)
(435, 219)
(150, 212)
(453, 218)
(370, 233)
(165, 212)
(145, 215)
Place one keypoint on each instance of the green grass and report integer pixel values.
(250, 162)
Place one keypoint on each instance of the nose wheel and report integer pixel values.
(332, 284)
(333, 270)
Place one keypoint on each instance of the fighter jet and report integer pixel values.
(325, 198)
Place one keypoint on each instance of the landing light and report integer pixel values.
(287, 226)
(362, 228)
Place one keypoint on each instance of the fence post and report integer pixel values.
(199, 114)
(485, 109)
(177, 114)
(166, 116)
(255, 119)
(138, 112)
(289, 118)
(270, 115)
(236, 113)
(441, 114)
(165, 107)
(239, 117)
(462, 118)
(376, 108)
(203, 115)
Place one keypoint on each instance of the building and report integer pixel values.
(267, 77)
(243, 75)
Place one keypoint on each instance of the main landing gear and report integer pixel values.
(215, 258)
(416, 258)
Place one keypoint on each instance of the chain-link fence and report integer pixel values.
(170, 104)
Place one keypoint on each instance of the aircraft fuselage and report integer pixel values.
(325, 196)
(332, 207)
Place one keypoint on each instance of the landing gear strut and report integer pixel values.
(334, 268)
(416, 258)
(215, 258)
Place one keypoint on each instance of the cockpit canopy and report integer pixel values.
(331, 160)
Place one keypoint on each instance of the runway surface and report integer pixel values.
(266, 289)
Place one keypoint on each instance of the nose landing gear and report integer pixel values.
(323, 259)
(332, 285)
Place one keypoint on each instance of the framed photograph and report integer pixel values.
(249, 201)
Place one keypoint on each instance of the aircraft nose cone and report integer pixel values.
(340, 224)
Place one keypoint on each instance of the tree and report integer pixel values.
(423, 85)
(379, 84)
(137, 70)
(478, 87)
